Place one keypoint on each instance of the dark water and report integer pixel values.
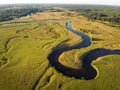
(87, 71)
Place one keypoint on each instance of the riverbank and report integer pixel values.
(86, 71)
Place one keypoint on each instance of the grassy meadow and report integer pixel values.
(24, 48)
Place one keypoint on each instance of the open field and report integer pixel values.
(24, 49)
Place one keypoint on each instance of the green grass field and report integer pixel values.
(24, 49)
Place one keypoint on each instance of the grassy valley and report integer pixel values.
(25, 44)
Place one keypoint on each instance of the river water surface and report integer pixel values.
(86, 72)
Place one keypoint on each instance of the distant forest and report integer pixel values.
(93, 12)
(11, 12)
(104, 13)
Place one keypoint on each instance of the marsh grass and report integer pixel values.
(25, 58)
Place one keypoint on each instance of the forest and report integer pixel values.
(104, 13)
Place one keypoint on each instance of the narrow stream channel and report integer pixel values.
(86, 72)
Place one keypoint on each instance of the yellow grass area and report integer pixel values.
(71, 59)
(80, 23)
(43, 16)
(95, 30)
(27, 66)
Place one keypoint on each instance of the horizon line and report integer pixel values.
(61, 4)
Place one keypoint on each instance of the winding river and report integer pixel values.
(86, 72)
